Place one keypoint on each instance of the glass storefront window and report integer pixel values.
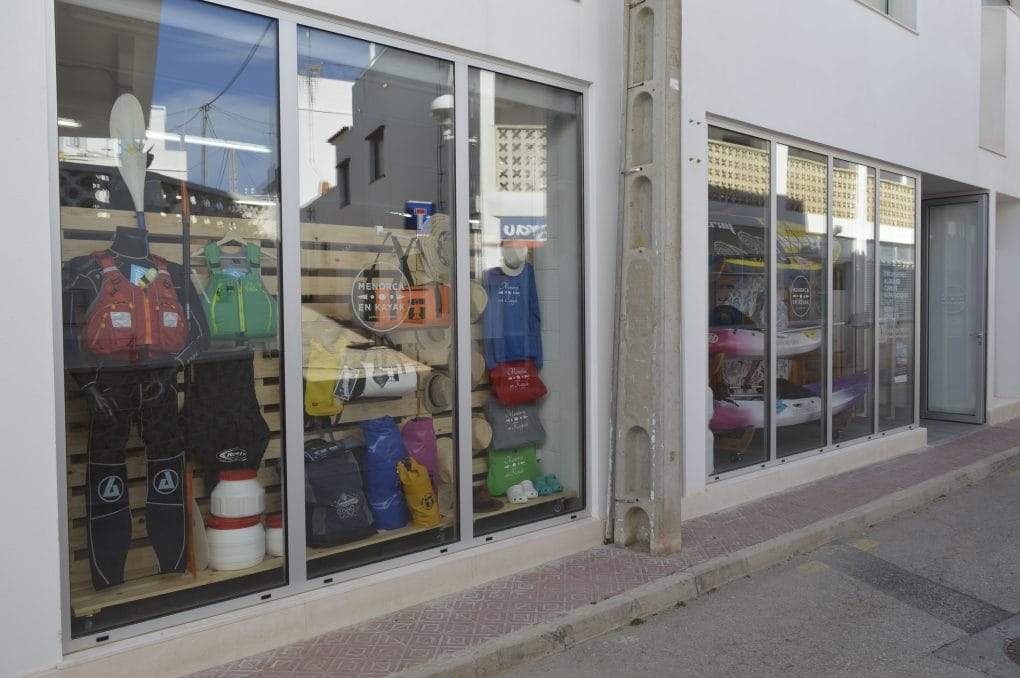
(526, 299)
(739, 188)
(169, 219)
(811, 409)
(169, 226)
(896, 292)
(853, 293)
(378, 285)
(801, 281)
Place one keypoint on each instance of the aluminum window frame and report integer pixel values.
(831, 153)
(901, 12)
(278, 597)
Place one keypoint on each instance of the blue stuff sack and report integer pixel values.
(384, 450)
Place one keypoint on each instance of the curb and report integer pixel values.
(581, 624)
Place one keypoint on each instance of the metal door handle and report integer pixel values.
(977, 335)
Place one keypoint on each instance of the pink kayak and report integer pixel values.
(751, 343)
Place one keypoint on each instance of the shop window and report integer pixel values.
(378, 324)
(739, 180)
(897, 268)
(800, 300)
(853, 293)
(526, 295)
(169, 222)
(785, 380)
(169, 235)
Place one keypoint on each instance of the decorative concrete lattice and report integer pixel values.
(805, 186)
(520, 158)
(739, 175)
(844, 194)
(898, 204)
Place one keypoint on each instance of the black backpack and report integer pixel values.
(336, 509)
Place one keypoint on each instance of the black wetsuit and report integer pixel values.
(122, 393)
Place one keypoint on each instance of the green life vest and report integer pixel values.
(237, 305)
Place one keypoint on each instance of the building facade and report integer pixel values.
(376, 289)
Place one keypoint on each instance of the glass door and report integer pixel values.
(955, 309)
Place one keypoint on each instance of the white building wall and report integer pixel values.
(30, 585)
(841, 75)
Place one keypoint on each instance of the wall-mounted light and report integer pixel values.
(68, 122)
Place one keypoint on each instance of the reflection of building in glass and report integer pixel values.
(392, 149)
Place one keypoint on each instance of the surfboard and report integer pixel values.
(728, 415)
(751, 343)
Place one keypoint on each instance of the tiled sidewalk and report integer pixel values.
(424, 633)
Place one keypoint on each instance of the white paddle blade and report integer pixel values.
(127, 125)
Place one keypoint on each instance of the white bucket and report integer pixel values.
(238, 494)
(235, 543)
(274, 534)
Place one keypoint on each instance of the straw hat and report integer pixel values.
(481, 433)
(438, 393)
(437, 248)
(479, 300)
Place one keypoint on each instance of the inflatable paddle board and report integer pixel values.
(789, 411)
(751, 343)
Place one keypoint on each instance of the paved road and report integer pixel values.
(933, 593)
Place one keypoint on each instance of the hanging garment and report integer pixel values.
(239, 308)
(222, 415)
(511, 322)
(133, 319)
(148, 399)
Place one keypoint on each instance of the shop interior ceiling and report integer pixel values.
(101, 55)
(933, 185)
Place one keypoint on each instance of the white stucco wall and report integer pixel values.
(30, 585)
(841, 75)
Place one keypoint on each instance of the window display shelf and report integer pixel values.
(510, 508)
(410, 529)
(85, 601)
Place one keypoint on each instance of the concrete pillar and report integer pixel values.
(648, 459)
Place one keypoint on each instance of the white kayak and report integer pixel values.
(751, 343)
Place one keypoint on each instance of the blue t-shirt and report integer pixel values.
(511, 324)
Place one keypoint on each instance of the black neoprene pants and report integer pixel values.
(148, 399)
(225, 426)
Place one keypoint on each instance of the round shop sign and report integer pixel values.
(800, 296)
(379, 298)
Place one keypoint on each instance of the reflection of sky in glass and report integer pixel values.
(328, 66)
(207, 52)
(335, 57)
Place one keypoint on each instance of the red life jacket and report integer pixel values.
(128, 321)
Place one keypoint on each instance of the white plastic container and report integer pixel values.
(274, 534)
(238, 494)
(235, 543)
